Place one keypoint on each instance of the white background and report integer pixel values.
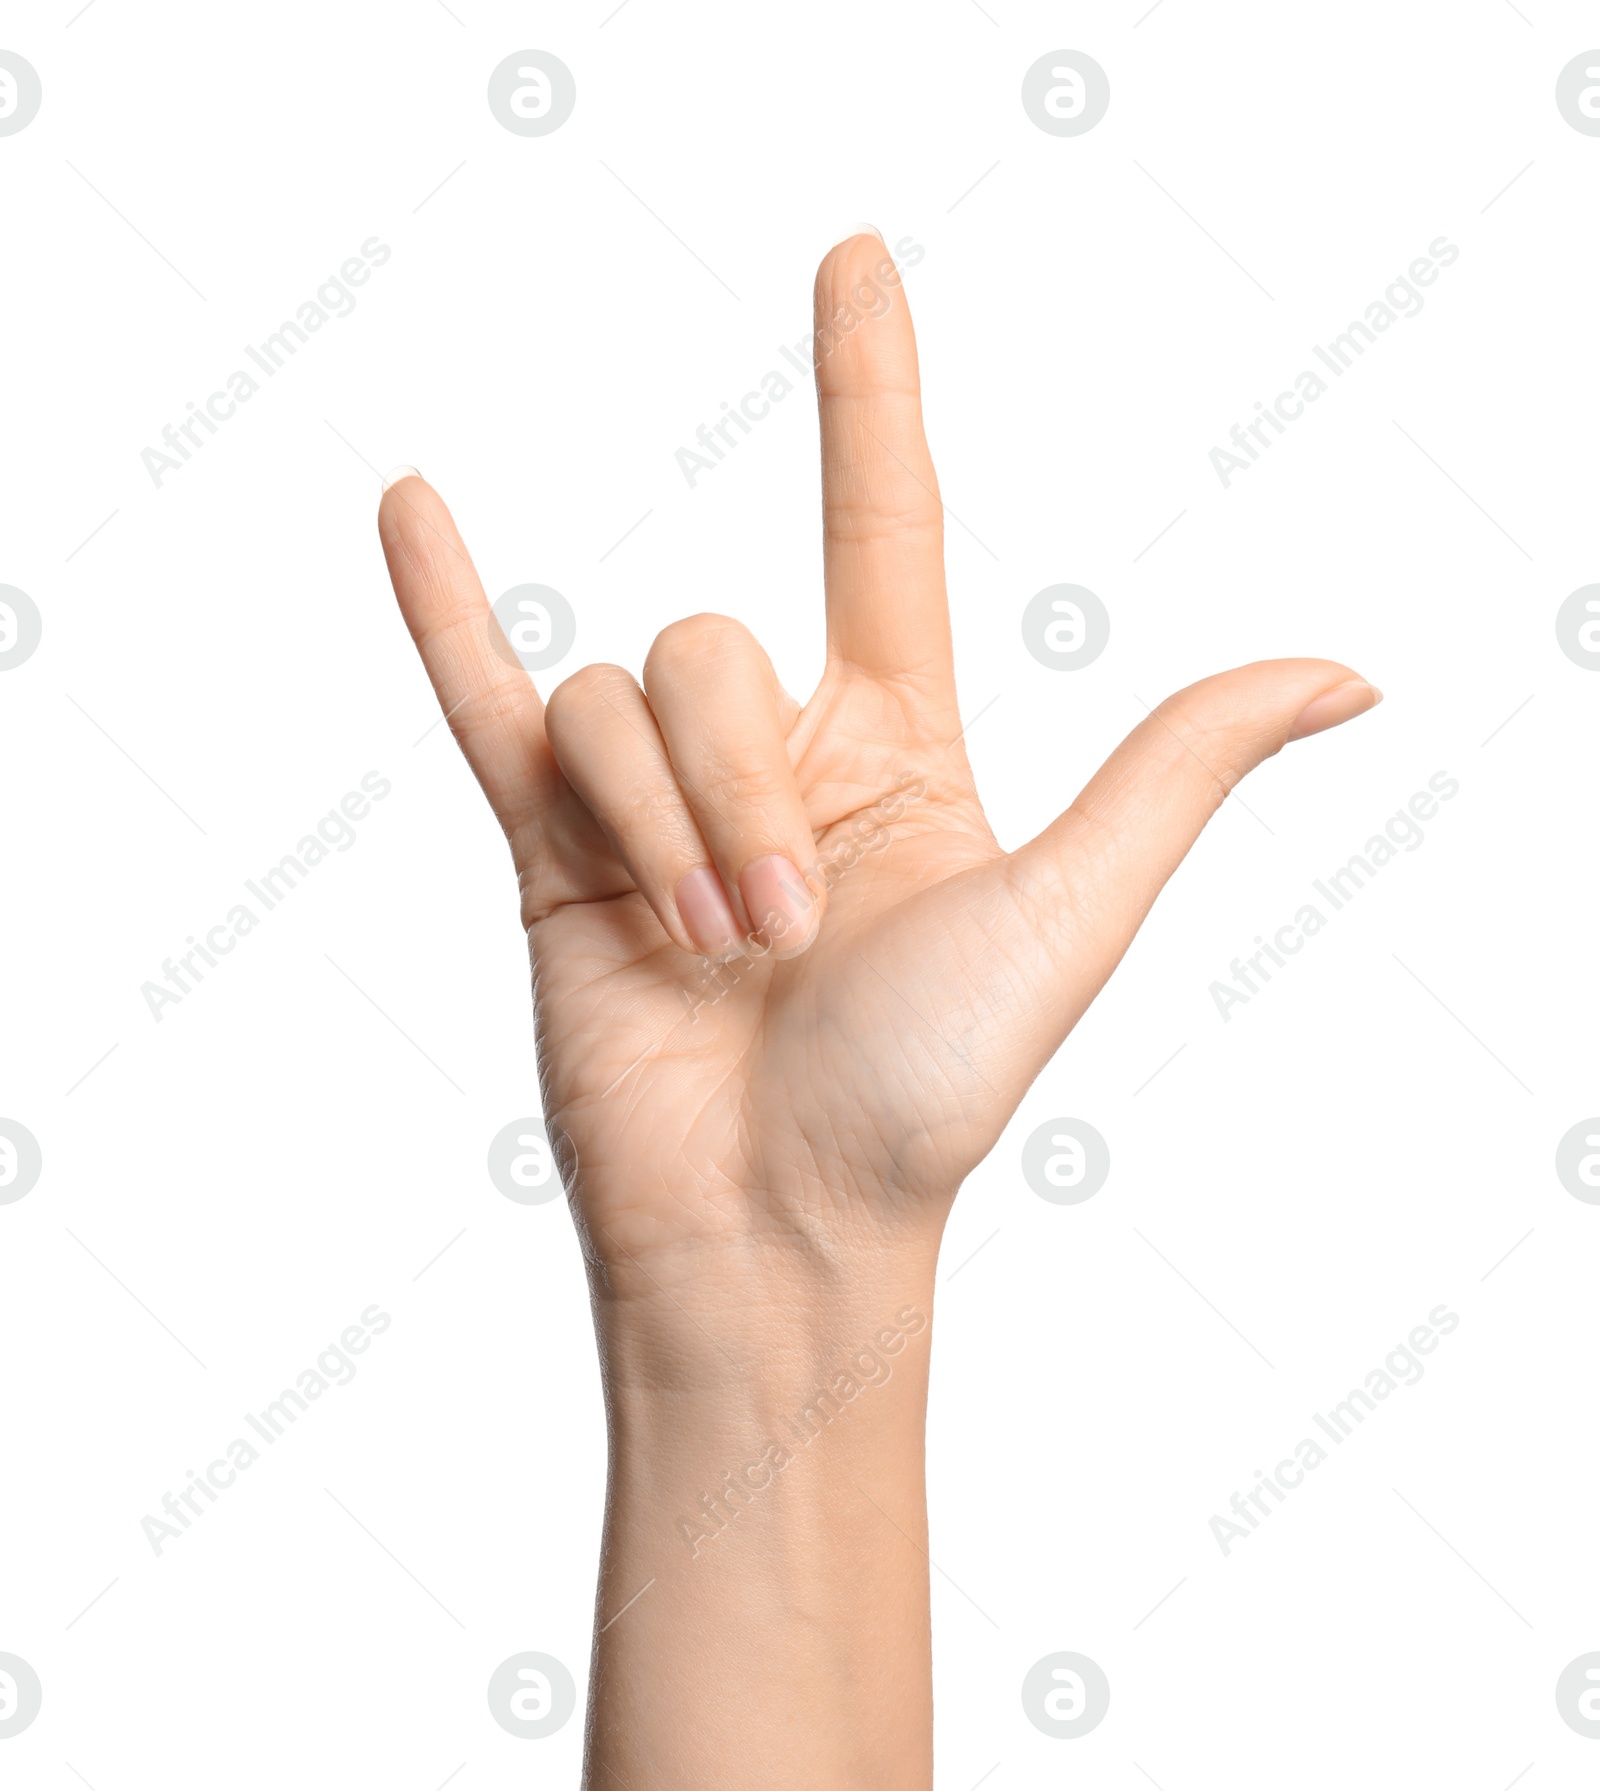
(1334, 1161)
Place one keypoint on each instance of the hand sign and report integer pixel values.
(893, 980)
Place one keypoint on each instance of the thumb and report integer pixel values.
(1092, 875)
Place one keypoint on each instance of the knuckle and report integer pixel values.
(864, 523)
(1212, 750)
(696, 640)
(744, 788)
(588, 689)
(495, 708)
(655, 811)
(449, 612)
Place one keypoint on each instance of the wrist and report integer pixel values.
(766, 1407)
(752, 1319)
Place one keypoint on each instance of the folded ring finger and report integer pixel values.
(610, 750)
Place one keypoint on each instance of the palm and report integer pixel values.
(798, 1079)
(937, 973)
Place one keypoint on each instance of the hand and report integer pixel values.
(761, 1151)
(894, 980)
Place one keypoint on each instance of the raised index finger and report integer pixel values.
(882, 517)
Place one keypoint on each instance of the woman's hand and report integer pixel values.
(909, 978)
(789, 991)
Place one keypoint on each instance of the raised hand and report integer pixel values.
(895, 980)
(789, 991)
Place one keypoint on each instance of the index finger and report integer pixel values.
(883, 521)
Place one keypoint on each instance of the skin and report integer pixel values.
(760, 1166)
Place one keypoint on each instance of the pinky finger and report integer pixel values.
(491, 704)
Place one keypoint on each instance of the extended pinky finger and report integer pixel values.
(610, 750)
(490, 703)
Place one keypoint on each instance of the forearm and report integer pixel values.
(762, 1615)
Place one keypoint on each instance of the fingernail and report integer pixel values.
(1343, 703)
(780, 904)
(396, 473)
(707, 916)
(860, 230)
